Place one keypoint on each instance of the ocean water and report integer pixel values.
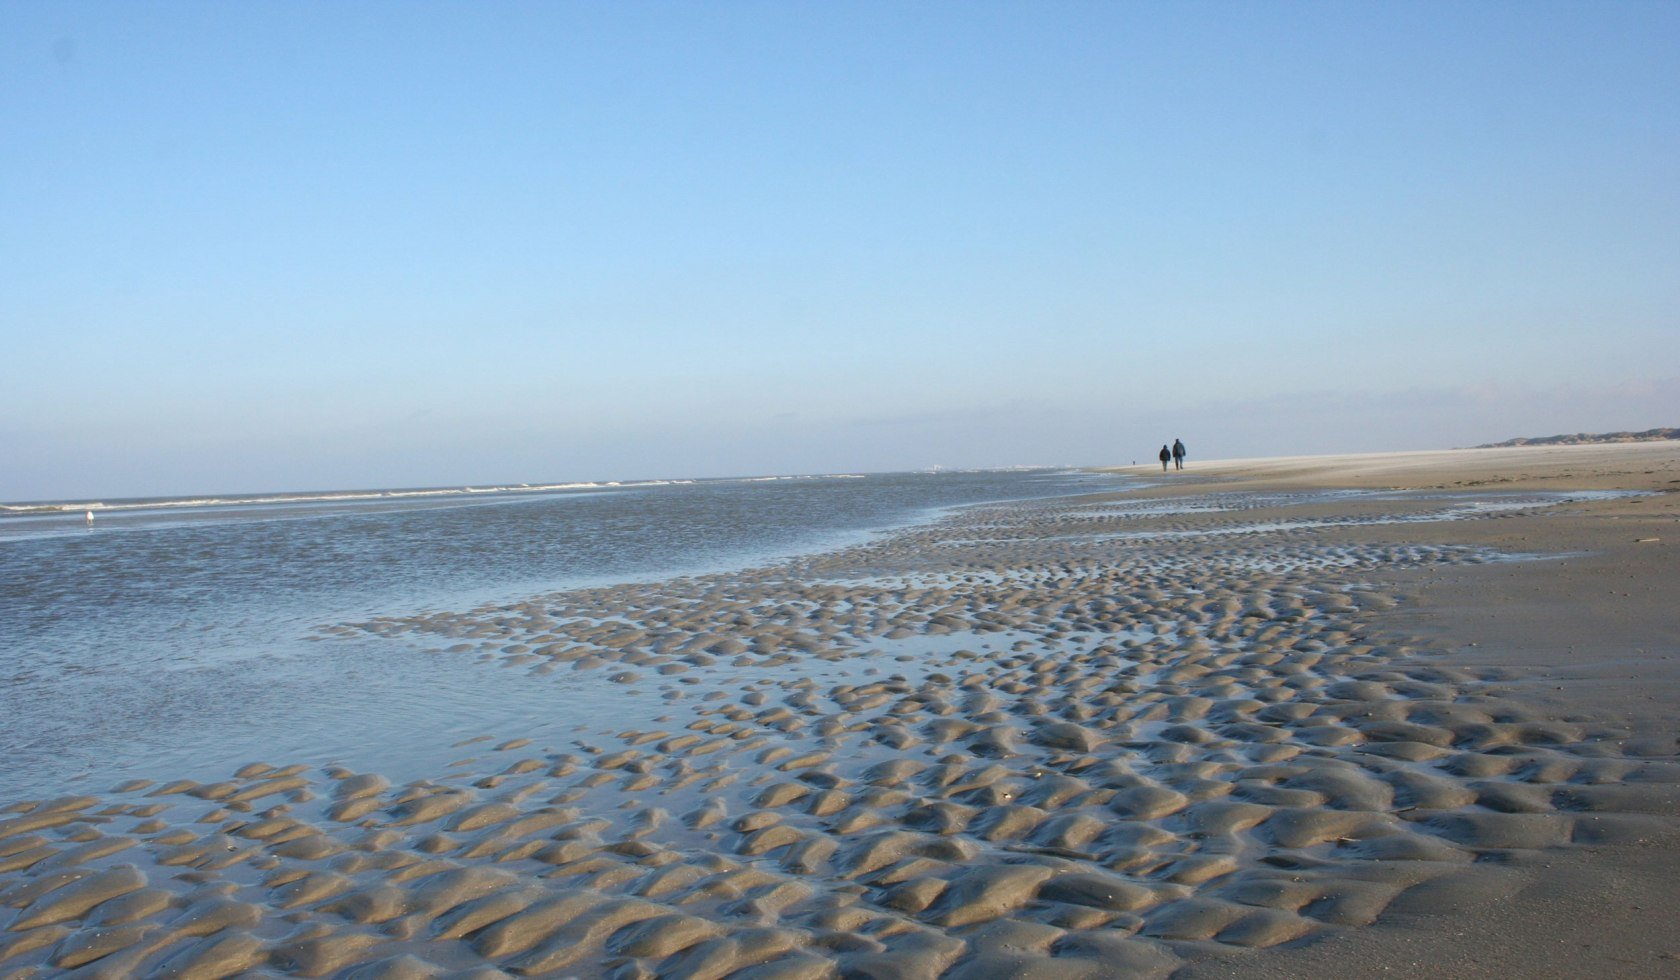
(168, 637)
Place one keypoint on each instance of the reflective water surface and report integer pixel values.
(172, 640)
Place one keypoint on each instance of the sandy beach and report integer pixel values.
(1591, 633)
(1407, 713)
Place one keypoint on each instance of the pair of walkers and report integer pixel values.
(1175, 455)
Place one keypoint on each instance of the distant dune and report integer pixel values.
(1583, 438)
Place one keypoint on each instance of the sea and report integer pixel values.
(171, 637)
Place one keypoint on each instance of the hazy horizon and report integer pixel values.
(271, 246)
(582, 483)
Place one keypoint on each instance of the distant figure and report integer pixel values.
(89, 517)
(1166, 455)
(1178, 454)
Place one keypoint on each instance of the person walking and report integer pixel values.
(1166, 454)
(1178, 454)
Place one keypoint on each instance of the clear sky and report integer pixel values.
(263, 246)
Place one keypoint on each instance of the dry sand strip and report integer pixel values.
(1222, 727)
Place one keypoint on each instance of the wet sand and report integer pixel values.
(1593, 633)
(1238, 724)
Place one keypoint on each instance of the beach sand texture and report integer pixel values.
(1269, 718)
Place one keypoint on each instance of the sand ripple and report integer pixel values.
(1106, 739)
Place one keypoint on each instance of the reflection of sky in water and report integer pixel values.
(180, 650)
(388, 706)
(158, 639)
(1463, 506)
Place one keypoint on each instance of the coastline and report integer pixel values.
(1230, 723)
(193, 628)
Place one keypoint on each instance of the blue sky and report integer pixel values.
(288, 245)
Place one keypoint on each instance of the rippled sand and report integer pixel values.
(1107, 736)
